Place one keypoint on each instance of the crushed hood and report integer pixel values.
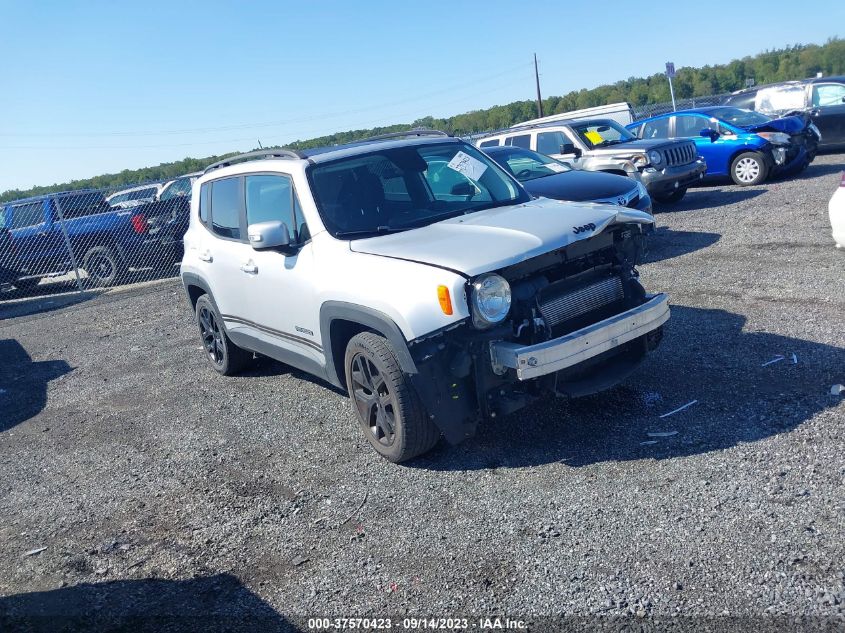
(492, 239)
(787, 124)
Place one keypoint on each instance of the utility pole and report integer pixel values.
(539, 99)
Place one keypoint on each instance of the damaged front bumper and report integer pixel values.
(532, 361)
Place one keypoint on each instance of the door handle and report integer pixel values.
(249, 268)
(206, 256)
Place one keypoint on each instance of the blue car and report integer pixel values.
(747, 146)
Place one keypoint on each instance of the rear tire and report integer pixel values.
(104, 267)
(225, 357)
(749, 168)
(670, 198)
(385, 404)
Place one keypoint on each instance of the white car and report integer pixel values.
(434, 301)
(836, 209)
(134, 196)
(181, 186)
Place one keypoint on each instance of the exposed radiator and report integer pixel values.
(581, 300)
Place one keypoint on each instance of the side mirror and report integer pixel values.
(711, 134)
(463, 189)
(273, 234)
(569, 148)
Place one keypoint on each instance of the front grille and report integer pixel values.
(575, 302)
(680, 154)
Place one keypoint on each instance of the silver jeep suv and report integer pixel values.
(414, 272)
(666, 167)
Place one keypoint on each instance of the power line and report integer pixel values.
(307, 132)
(283, 123)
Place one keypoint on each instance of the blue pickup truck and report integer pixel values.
(106, 242)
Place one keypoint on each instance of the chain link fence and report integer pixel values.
(655, 109)
(76, 241)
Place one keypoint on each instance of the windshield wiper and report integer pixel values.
(611, 142)
(378, 230)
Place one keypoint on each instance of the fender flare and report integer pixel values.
(369, 318)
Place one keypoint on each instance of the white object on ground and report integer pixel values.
(837, 390)
(836, 211)
(648, 442)
(776, 359)
(794, 359)
(35, 551)
(688, 404)
(662, 434)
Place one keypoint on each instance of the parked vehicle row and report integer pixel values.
(747, 146)
(104, 236)
(666, 167)
(52, 234)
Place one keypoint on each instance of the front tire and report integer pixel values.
(385, 404)
(670, 198)
(749, 168)
(225, 357)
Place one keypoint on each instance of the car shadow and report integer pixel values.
(706, 356)
(264, 366)
(711, 194)
(23, 383)
(822, 170)
(205, 604)
(665, 243)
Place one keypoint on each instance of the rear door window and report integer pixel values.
(226, 208)
(523, 141)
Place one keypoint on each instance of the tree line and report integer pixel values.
(792, 62)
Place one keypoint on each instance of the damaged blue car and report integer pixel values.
(744, 145)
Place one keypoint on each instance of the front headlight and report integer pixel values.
(490, 299)
(655, 157)
(776, 138)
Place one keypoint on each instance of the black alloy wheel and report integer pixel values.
(374, 400)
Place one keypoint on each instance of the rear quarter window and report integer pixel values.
(493, 143)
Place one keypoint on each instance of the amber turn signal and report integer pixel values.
(445, 299)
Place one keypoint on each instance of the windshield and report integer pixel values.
(526, 165)
(602, 133)
(740, 117)
(407, 187)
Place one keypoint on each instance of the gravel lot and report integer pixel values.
(155, 488)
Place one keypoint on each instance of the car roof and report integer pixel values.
(331, 152)
(794, 82)
(244, 163)
(45, 196)
(706, 111)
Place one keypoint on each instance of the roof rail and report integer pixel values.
(261, 153)
(384, 137)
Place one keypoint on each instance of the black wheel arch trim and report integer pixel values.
(369, 318)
